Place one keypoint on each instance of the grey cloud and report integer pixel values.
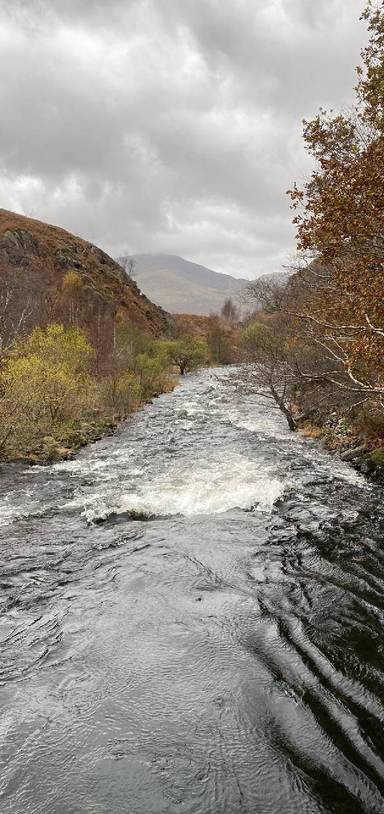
(160, 125)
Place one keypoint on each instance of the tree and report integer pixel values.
(71, 296)
(129, 343)
(340, 223)
(130, 267)
(138, 369)
(229, 311)
(15, 311)
(121, 393)
(219, 340)
(152, 372)
(266, 348)
(187, 353)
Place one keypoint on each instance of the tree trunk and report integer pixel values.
(291, 421)
(284, 409)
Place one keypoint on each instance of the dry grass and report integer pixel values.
(311, 431)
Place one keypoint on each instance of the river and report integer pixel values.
(192, 620)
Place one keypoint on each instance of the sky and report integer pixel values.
(170, 126)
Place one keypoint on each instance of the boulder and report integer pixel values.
(352, 454)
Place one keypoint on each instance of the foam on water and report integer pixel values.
(210, 488)
(19, 506)
(8, 514)
(229, 663)
(202, 449)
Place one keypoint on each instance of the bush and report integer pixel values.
(45, 385)
(152, 372)
(48, 392)
(120, 395)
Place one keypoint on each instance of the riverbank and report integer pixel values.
(66, 444)
(353, 446)
(338, 439)
(51, 449)
(54, 399)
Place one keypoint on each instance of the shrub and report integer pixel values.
(45, 385)
(153, 374)
(121, 395)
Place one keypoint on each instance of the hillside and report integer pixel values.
(48, 274)
(180, 286)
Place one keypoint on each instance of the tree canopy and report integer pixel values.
(326, 325)
(339, 214)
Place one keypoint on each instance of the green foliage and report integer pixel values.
(45, 384)
(220, 343)
(252, 335)
(60, 346)
(187, 353)
(49, 391)
(153, 373)
(129, 343)
(377, 456)
(121, 394)
(265, 342)
(140, 368)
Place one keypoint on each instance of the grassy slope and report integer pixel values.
(34, 258)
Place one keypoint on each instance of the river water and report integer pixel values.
(192, 620)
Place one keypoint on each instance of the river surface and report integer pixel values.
(192, 620)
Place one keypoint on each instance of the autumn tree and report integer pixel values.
(290, 351)
(339, 214)
(71, 296)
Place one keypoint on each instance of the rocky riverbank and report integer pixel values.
(52, 449)
(355, 447)
(66, 444)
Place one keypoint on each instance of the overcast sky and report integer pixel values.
(169, 125)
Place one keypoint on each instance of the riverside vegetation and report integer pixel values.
(52, 400)
(317, 346)
(81, 347)
(84, 348)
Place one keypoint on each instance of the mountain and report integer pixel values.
(48, 274)
(180, 286)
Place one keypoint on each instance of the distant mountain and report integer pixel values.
(182, 287)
